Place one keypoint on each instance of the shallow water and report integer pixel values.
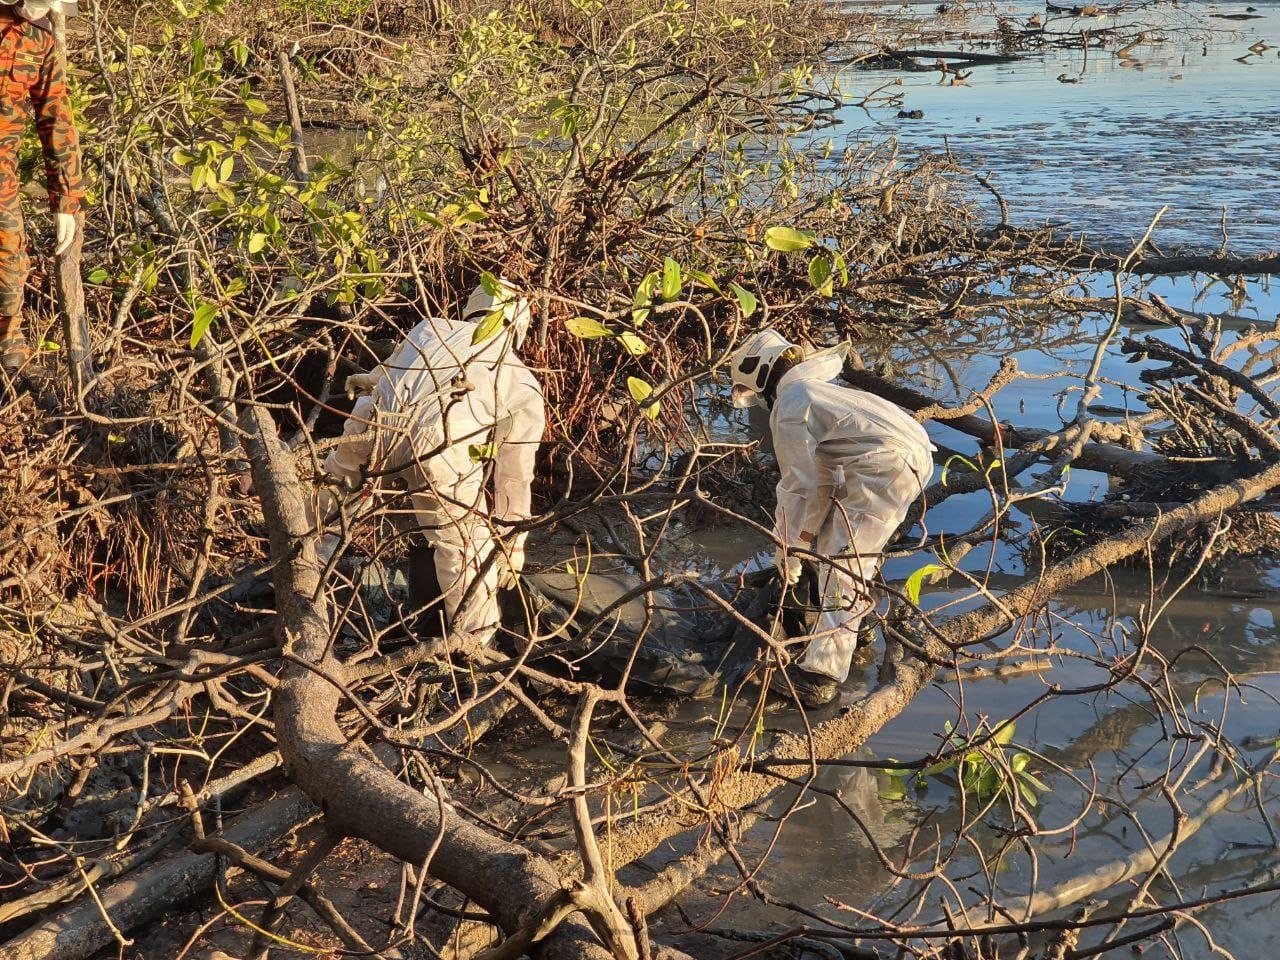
(1103, 155)
(1114, 734)
(1182, 122)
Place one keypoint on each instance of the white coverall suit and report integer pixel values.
(439, 410)
(852, 465)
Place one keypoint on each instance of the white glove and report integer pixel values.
(789, 566)
(512, 565)
(66, 231)
(361, 384)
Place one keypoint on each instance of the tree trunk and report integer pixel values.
(358, 795)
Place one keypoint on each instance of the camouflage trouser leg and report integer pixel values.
(13, 257)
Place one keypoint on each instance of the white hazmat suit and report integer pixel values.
(439, 410)
(852, 465)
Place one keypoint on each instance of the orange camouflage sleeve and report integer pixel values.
(57, 131)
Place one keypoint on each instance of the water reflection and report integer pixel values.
(1182, 122)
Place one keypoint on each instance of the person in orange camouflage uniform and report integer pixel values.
(34, 80)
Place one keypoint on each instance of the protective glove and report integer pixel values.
(789, 566)
(65, 224)
(361, 384)
(512, 565)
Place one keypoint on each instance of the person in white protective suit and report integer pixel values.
(852, 465)
(443, 408)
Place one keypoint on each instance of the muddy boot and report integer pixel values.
(866, 634)
(424, 593)
(15, 356)
(813, 689)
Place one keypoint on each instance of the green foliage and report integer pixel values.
(991, 769)
(201, 320)
(915, 582)
(641, 392)
(788, 239)
(746, 300)
(587, 328)
(333, 11)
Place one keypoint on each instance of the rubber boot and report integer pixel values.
(812, 689)
(14, 354)
(424, 593)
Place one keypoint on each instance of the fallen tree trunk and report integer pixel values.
(1070, 251)
(358, 795)
(792, 754)
(81, 930)
(1103, 457)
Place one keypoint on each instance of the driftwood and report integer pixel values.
(795, 754)
(1071, 252)
(358, 795)
(80, 931)
(1104, 457)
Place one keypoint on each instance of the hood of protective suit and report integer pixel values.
(516, 314)
(39, 9)
(825, 365)
(752, 364)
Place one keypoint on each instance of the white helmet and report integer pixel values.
(516, 315)
(753, 363)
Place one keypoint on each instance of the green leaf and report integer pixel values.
(1004, 734)
(946, 467)
(257, 242)
(633, 344)
(788, 239)
(842, 268)
(916, 580)
(672, 282)
(227, 168)
(640, 393)
(1034, 781)
(746, 300)
(895, 791)
(820, 275)
(99, 276)
(646, 288)
(200, 322)
(587, 328)
(50, 346)
(479, 452)
(490, 285)
(253, 105)
(488, 327)
(703, 278)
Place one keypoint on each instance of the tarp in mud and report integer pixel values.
(672, 639)
(597, 626)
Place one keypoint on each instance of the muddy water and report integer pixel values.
(1187, 126)
(1232, 617)
(1193, 122)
